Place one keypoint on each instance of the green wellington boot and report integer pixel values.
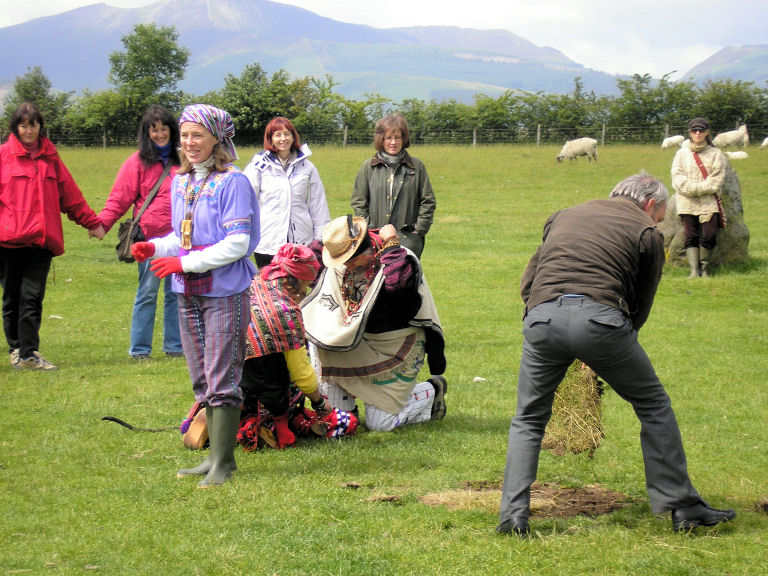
(204, 466)
(222, 436)
(693, 260)
(704, 256)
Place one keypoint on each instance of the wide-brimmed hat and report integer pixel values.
(342, 236)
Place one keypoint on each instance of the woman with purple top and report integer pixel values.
(215, 218)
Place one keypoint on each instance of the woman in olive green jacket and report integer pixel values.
(393, 186)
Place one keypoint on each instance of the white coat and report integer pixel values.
(292, 204)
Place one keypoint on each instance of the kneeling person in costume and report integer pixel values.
(275, 351)
(373, 320)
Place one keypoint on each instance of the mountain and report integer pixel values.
(223, 36)
(747, 63)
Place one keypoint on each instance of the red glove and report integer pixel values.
(142, 250)
(165, 266)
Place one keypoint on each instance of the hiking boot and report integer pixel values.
(14, 357)
(34, 362)
(438, 404)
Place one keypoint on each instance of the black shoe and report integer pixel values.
(438, 404)
(699, 514)
(516, 525)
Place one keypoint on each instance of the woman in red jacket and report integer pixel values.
(35, 188)
(158, 141)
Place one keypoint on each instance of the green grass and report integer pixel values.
(82, 496)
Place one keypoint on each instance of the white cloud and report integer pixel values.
(629, 37)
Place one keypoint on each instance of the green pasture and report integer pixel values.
(83, 496)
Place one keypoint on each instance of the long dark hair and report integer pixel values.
(147, 150)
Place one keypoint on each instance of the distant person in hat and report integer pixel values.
(698, 172)
(373, 320)
(215, 220)
(393, 187)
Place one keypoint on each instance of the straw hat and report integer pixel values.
(342, 236)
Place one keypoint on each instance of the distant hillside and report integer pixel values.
(226, 35)
(747, 63)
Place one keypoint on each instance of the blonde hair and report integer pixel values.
(221, 159)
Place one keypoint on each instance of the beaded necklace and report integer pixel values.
(190, 199)
(354, 286)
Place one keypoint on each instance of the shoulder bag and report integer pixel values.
(129, 232)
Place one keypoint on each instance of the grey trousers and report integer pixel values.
(558, 332)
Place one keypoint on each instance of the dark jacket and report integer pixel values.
(608, 250)
(412, 204)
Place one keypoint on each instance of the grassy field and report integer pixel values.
(82, 496)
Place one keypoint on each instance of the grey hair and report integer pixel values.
(640, 188)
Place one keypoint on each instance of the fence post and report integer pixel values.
(666, 131)
(474, 137)
(538, 134)
(602, 142)
(344, 142)
(104, 138)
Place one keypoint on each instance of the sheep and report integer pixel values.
(738, 155)
(579, 147)
(764, 144)
(685, 144)
(733, 138)
(672, 141)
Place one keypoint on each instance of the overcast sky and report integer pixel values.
(656, 37)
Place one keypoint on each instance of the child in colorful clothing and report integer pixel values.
(276, 355)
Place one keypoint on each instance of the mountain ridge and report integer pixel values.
(224, 36)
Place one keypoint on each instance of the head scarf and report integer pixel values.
(292, 260)
(218, 122)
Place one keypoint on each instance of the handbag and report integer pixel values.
(129, 232)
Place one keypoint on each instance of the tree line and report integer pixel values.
(151, 64)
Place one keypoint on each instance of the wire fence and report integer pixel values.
(539, 135)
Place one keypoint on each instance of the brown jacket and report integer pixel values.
(608, 250)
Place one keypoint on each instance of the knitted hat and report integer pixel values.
(218, 122)
(341, 238)
(292, 260)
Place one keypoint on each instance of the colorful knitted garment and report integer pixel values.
(276, 322)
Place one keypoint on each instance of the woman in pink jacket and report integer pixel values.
(35, 189)
(158, 141)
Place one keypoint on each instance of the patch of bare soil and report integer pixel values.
(547, 500)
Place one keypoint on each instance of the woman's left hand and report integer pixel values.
(166, 266)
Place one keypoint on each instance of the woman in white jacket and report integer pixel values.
(292, 202)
